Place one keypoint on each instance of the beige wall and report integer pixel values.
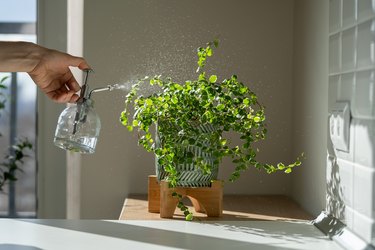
(125, 40)
(310, 101)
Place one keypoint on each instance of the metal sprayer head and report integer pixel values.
(85, 87)
(83, 97)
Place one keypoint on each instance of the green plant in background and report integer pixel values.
(13, 162)
(178, 110)
(14, 157)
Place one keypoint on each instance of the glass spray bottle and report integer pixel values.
(79, 125)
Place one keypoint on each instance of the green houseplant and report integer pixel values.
(179, 110)
(14, 157)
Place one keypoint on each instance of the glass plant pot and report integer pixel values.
(78, 128)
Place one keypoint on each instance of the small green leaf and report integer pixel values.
(174, 100)
(256, 119)
(280, 166)
(213, 79)
(3, 79)
(243, 90)
(202, 76)
(220, 107)
(124, 121)
(178, 86)
(288, 170)
(216, 43)
(223, 141)
(149, 102)
(209, 51)
(189, 217)
(124, 118)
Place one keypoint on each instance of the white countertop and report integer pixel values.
(34, 234)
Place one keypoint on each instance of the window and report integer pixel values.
(18, 119)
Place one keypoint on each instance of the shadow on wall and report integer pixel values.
(335, 199)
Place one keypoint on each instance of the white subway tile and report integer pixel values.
(363, 194)
(330, 150)
(333, 90)
(364, 227)
(348, 60)
(334, 15)
(349, 217)
(345, 180)
(365, 9)
(345, 90)
(348, 12)
(364, 142)
(349, 155)
(334, 53)
(365, 44)
(364, 95)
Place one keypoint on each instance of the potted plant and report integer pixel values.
(192, 119)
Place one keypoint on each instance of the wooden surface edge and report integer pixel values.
(236, 207)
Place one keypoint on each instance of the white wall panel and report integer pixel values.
(356, 86)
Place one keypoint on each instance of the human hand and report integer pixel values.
(54, 77)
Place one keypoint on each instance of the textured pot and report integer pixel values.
(189, 174)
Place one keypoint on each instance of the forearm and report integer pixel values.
(19, 56)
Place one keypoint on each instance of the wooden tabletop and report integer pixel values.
(236, 207)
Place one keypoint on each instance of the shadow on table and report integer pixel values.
(17, 247)
(185, 240)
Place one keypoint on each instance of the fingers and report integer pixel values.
(66, 96)
(54, 77)
(61, 91)
(79, 62)
(84, 65)
(63, 88)
(61, 97)
(72, 83)
(67, 92)
(74, 98)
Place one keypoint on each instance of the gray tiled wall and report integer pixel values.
(351, 173)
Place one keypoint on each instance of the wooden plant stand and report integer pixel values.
(208, 200)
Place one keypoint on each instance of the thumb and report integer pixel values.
(79, 62)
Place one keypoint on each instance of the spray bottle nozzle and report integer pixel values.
(109, 87)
